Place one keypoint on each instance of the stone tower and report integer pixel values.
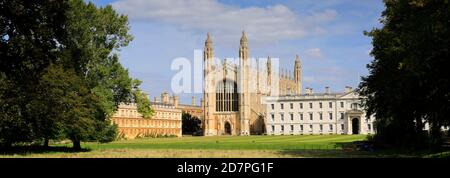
(298, 74)
(208, 88)
(244, 102)
(232, 97)
(269, 72)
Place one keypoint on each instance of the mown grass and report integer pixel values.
(232, 142)
(204, 147)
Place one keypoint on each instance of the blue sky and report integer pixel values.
(327, 34)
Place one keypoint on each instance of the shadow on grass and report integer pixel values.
(358, 149)
(25, 150)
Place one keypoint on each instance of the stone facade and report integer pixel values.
(165, 121)
(321, 113)
(193, 109)
(233, 91)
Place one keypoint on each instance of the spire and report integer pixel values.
(243, 49)
(269, 65)
(297, 58)
(244, 38)
(208, 41)
(297, 68)
(269, 71)
(298, 74)
(209, 51)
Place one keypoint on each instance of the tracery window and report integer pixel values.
(227, 96)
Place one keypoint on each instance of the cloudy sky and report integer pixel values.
(327, 34)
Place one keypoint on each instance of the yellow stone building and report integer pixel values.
(233, 92)
(165, 121)
(193, 108)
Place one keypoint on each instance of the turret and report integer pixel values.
(269, 71)
(297, 70)
(298, 74)
(209, 51)
(243, 49)
(193, 100)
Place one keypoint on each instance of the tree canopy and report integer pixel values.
(60, 75)
(408, 83)
(191, 125)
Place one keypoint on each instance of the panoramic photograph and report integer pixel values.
(224, 79)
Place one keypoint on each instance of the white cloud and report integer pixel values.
(225, 22)
(314, 53)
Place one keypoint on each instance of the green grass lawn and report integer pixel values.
(232, 142)
(217, 146)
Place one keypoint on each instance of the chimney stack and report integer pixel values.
(193, 100)
(165, 98)
(348, 89)
(309, 91)
(327, 90)
(175, 101)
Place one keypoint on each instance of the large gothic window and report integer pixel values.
(226, 96)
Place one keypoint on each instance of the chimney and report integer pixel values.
(175, 101)
(327, 90)
(348, 89)
(193, 100)
(308, 91)
(165, 98)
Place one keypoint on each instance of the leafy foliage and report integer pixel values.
(191, 124)
(143, 103)
(408, 85)
(60, 75)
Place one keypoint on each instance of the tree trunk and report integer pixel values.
(46, 142)
(76, 145)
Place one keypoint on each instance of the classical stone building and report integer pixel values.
(233, 90)
(317, 113)
(165, 121)
(193, 108)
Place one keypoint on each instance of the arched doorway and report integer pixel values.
(355, 126)
(227, 128)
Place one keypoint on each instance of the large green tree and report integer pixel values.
(60, 74)
(29, 36)
(408, 83)
(191, 125)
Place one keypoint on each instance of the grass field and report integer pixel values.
(223, 146)
(215, 147)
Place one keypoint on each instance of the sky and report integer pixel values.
(326, 34)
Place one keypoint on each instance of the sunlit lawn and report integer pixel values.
(232, 142)
(217, 146)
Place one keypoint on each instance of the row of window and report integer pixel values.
(146, 123)
(330, 127)
(330, 105)
(311, 116)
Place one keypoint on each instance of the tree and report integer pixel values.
(68, 107)
(94, 36)
(60, 74)
(408, 84)
(29, 36)
(190, 124)
(142, 101)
